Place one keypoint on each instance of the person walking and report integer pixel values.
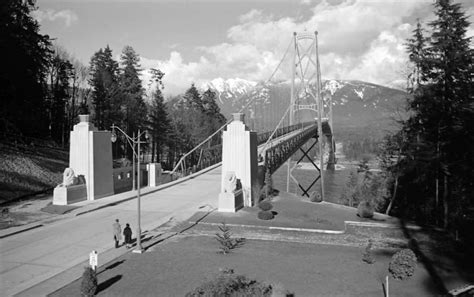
(117, 233)
(127, 233)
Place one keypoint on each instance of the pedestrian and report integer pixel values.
(117, 233)
(127, 233)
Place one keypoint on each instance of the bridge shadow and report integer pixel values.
(443, 258)
(106, 284)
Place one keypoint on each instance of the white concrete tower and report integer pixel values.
(239, 155)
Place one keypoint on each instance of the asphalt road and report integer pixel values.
(30, 258)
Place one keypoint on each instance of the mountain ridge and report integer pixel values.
(357, 105)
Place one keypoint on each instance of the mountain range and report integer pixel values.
(363, 108)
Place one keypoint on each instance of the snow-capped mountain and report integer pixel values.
(355, 103)
(230, 88)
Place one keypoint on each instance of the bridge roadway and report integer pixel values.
(55, 250)
(39, 261)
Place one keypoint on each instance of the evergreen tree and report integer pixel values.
(59, 75)
(159, 123)
(26, 55)
(106, 100)
(438, 153)
(193, 99)
(132, 91)
(416, 47)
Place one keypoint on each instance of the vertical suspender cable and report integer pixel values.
(292, 104)
(320, 114)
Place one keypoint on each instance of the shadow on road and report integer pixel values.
(442, 257)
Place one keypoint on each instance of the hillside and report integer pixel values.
(358, 106)
(26, 169)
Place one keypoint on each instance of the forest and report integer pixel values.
(43, 89)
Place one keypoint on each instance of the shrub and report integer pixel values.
(230, 284)
(265, 205)
(315, 197)
(403, 264)
(89, 282)
(365, 210)
(268, 183)
(367, 256)
(265, 215)
(263, 193)
(227, 243)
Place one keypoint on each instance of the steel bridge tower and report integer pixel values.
(306, 99)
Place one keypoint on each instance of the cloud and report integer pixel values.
(68, 16)
(358, 39)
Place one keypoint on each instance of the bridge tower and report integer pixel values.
(307, 101)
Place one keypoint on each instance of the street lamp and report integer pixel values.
(132, 141)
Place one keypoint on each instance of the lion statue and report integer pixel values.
(69, 179)
(230, 182)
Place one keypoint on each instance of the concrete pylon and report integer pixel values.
(239, 155)
(90, 155)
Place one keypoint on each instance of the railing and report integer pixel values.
(263, 137)
(277, 154)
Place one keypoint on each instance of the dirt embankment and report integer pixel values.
(27, 170)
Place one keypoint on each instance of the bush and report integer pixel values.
(403, 264)
(367, 256)
(227, 243)
(263, 193)
(89, 282)
(265, 205)
(265, 215)
(365, 210)
(229, 284)
(315, 197)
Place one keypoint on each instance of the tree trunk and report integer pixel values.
(393, 197)
(445, 202)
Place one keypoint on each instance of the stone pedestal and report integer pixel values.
(239, 155)
(69, 195)
(154, 174)
(90, 154)
(230, 202)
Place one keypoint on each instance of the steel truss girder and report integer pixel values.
(276, 155)
(263, 137)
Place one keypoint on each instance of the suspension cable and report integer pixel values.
(276, 128)
(229, 121)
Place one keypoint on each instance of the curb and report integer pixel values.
(21, 230)
(321, 231)
(160, 187)
(72, 275)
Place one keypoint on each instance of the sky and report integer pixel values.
(196, 41)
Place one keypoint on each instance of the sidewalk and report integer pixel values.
(57, 251)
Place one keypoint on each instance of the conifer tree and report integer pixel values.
(132, 91)
(26, 54)
(438, 153)
(158, 123)
(106, 100)
(58, 82)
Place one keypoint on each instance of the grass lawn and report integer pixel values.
(177, 266)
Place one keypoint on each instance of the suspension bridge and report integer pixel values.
(305, 125)
(38, 261)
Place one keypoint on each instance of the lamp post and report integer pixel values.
(132, 141)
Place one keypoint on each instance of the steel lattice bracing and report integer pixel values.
(280, 152)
